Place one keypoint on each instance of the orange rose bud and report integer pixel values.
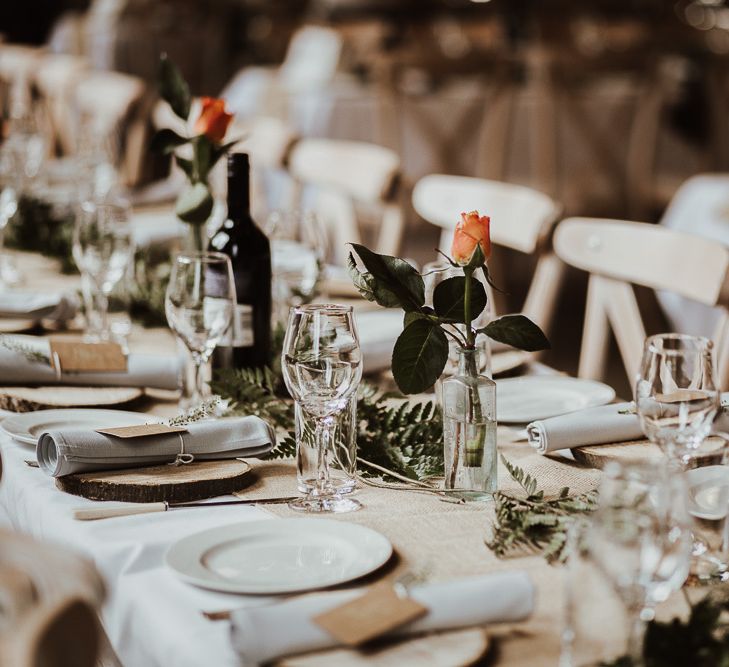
(471, 231)
(214, 119)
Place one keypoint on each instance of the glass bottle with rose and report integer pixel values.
(195, 155)
(421, 351)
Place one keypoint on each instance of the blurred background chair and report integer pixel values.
(521, 219)
(353, 187)
(619, 254)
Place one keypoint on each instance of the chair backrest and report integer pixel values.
(618, 254)
(521, 219)
(312, 58)
(352, 172)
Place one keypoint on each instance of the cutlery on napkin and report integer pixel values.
(258, 637)
(607, 424)
(111, 510)
(62, 452)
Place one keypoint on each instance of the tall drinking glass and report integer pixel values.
(676, 396)
(199, 307)
(102, 248)
(640, 538)
(322, 367)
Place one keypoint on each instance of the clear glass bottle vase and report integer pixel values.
(469, 429)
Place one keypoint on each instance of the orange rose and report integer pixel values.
(471, 231)
(214, 119)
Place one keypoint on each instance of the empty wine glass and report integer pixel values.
(102, 248)
(199, 307)
(9, 193)
(322, 367)
(675, 395)
(640, 538)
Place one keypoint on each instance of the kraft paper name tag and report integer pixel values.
(141, 430)
(377, 612)
(681, 396)
(69, 356)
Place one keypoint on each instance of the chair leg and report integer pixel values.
(593, 351)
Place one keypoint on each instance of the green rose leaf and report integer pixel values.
(518, 331)
(185, 165)
(412, 315)
(392, 279)
(219, 151)
(173, 88)
(369, 288)
(195, 204)
(448, 299)
(419, 356)
(202, 157)
(166, 140)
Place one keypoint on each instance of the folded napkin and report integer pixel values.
(143, 370)
(264, 633)
(378, 330)
(593, 426)
(36, 306)
(65, 452)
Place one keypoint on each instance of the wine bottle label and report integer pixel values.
(241, 329)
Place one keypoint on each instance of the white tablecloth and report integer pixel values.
(152, 618)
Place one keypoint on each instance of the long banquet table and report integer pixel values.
(154, 619)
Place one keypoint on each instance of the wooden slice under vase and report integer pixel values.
(28, 399)
(440, 649)
(175, 484)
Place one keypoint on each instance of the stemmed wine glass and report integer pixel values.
(102, 249)
(640, 539)
(676, 396)
(199, 307)
(322, 367)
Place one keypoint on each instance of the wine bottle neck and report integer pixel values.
(239, 201)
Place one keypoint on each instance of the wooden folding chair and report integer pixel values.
(521, 219)
(619, 254)
(346, 174)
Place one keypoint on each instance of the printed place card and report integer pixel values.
(379, 611)
(74, 356)
(141, 430)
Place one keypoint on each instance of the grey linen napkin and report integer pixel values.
(261, 634)
(593, 426)
(38, 306)
(65, 452)
(143, 370)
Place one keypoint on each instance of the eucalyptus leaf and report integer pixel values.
(419, 356)
(195, 204)
(173, 88)
(393, 277)
(518, 331)
(166, 140)
(448, 299)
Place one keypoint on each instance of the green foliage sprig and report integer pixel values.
(534, 523)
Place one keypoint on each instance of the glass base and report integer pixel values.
(473, 496)
(325, 504)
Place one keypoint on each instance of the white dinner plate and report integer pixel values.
(708, 492)
(525, 399)
(278, 555)
(28, 426)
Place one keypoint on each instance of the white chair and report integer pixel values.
(521, 219)
(618, 254)
(346, 174)
(311, 61)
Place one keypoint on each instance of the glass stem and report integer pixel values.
(101, 306)
(323, 439)
(198, 386)
(636, 634)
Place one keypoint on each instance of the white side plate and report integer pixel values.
(28, 426)
(708, 492)
(278, 555)
(525, 399)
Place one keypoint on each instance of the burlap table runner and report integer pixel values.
(440, 540)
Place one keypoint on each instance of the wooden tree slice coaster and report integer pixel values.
(598, 456)
(439, 649)
(28, 399)
(175, 484)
